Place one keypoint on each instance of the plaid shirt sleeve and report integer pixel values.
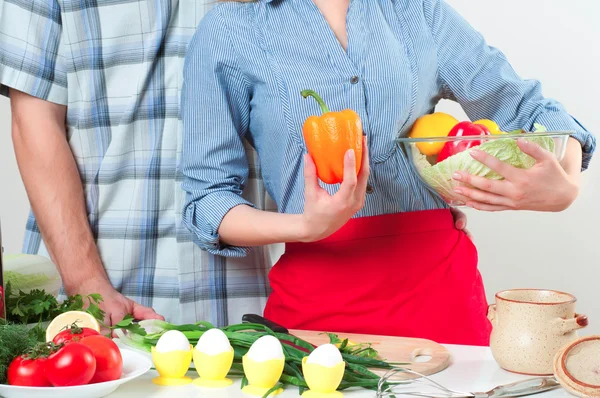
(30, 42)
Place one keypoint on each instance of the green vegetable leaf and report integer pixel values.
(439, 176)
(343, 345)
(39, 306)
(333, 338)
(125, 322)
(15, 340)
(23, 281)
(17, 311)
(95, 311)
(128, 324)
(272, 390)
(96, 298)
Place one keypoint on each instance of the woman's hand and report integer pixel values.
(544, 187)
(324, 214)
(460, 221)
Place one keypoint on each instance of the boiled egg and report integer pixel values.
(173, 340)
(213, 342)
(266, 348)
(172, 357)
(323, 371)
(327, 355)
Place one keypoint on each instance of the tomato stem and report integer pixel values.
(312, 93)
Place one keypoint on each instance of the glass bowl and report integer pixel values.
(438, 176)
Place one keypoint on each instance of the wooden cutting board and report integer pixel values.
(394, 349)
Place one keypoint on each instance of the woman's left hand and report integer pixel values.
(544, 187)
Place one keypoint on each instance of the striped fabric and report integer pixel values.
(117, 65)
(248, 63)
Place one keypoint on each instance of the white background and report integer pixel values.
(555, 41)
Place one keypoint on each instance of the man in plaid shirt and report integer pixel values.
(94, 90)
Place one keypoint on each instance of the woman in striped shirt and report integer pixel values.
(378, 253)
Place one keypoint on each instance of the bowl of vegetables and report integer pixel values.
(437, 155)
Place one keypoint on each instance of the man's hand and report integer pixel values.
(115, 304)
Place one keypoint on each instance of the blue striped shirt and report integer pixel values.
(249, 62)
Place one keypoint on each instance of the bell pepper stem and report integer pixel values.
(311, 93)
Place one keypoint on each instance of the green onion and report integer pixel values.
(145, 335)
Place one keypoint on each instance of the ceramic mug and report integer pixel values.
(530, 326)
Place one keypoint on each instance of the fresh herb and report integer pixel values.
(37, 306)
(346, 346)
(144, 335)
(127, 323)
(15, 340)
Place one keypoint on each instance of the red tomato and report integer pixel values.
(72, 365)
(460, 130)
(109, 362)
(27, 372)
(73, 334)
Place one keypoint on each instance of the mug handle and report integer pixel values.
(491, 314)
(577, 322)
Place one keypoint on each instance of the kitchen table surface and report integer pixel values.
(472, 369)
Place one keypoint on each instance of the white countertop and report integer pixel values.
(473, 369)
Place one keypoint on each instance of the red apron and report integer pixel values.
(408, 274)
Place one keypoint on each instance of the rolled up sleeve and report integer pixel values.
(215, 111)
(30, 49)
(482, 81)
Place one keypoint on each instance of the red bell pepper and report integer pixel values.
(460, 130)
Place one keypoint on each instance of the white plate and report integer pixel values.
(134, 365)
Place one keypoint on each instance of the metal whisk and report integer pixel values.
(424, 386)
(415, 387)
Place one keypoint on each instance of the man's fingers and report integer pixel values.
(142, 313)
(117, 316)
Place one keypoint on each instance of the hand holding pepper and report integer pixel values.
(323, 213)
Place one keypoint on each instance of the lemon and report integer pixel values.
(434, 125)
(490, 124)
(63, 321)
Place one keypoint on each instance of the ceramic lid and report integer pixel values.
(577, 367)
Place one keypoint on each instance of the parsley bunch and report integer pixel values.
(37, 306)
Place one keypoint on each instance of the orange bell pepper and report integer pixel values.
(328, 137)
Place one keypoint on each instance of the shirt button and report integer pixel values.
(354, 79)
(370, 189)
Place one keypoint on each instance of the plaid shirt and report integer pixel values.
(117, 65)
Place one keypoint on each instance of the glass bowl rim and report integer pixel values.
(523, 133)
